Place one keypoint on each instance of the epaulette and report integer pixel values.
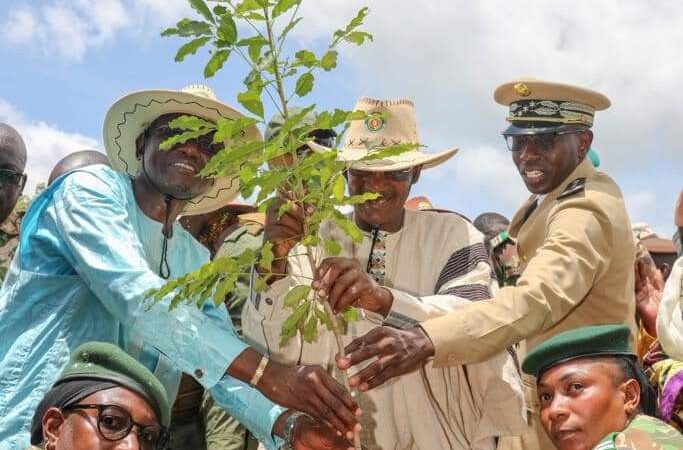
(253, 222)
(447, 211)
(572, 188)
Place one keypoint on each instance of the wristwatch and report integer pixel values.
(288, 429)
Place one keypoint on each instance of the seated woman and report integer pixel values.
(102, 398)
(593, 394)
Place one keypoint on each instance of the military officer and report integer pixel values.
(594, 394)
(574, 242)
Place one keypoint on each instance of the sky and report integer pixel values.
(66, 61)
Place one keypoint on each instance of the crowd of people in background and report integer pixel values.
(561, 327)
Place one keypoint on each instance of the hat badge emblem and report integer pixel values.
(374, 122)
(522, 89)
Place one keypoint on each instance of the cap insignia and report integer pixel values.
(374, 122)
(522, 89)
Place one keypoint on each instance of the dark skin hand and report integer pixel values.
(303, 388)
(343, 282)
(284, 232)
(309, 434)
(397, 351)
(649, 287)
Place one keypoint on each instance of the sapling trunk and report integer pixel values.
(337, 331)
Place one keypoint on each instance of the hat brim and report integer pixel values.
(408, 159)
(129, 116)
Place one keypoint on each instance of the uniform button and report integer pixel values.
(198, 373)
(269, 301)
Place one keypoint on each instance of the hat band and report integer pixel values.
(369, 143)
(551, 111)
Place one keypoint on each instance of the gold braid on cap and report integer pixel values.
(551, 111)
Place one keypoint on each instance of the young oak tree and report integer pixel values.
(252, 34)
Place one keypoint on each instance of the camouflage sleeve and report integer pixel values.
(644, 432)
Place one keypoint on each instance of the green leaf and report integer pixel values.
(293, 323)
(296, 294)
(248, 5)
(219, 10)
(351, 314)
(387, 152)
(290, 26)
(255, 44)
(187, 27)
(181, 138)
(349, 228)
(191, 48)
(251, 100)
(358, 20)
(306, 58)
(338, 187)
(247, 258)
(191, 123)
(216, 62)
(324, 318)
(227, 30)
(329, 60)
(283, 6)
(310, 241)
(201, 7)
(362, 198)
(358, 37)
(310, 330)
(267, 256)
(304, 84)
(226, 286)
(332, 247)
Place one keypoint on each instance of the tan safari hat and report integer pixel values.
(389, 122)
(133, 113)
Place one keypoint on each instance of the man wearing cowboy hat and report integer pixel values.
(99, 238)
(573, 239)
(411, 265)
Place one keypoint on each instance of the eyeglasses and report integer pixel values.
(392, 175)
(9, 176)
(115, 423)
(543, 142)
(204, 142)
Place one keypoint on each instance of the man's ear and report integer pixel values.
(53, 423)
(140, 145)
(585, 141)
(631, 391)
(416, 174)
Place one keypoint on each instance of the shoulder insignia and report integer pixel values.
(574, 187)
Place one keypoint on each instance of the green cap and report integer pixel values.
(597, 340)
(107, 362)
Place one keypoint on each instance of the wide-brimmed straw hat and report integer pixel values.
(388, 123)
(129, 116)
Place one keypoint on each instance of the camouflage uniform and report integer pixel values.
(9, 240)
(644, 432)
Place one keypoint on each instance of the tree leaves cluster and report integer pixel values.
(315, 180)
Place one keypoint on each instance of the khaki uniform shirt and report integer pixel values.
(435, 264)
(577, 255)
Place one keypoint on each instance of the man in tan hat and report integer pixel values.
(573, 238)
(410, 265)
(99, 238)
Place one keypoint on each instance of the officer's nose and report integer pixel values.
(130, 442)
(558, 409)
(528, 151)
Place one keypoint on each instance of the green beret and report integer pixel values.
(597, 340)
(107, 362)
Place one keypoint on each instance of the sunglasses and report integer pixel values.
(11, 177)
(204, 142)
(543, 142)
(115, 423)
(393, 175)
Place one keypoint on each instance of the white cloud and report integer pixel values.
(46, 143)
(72, 28)
(20, 26)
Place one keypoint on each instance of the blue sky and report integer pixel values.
(66, 61)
